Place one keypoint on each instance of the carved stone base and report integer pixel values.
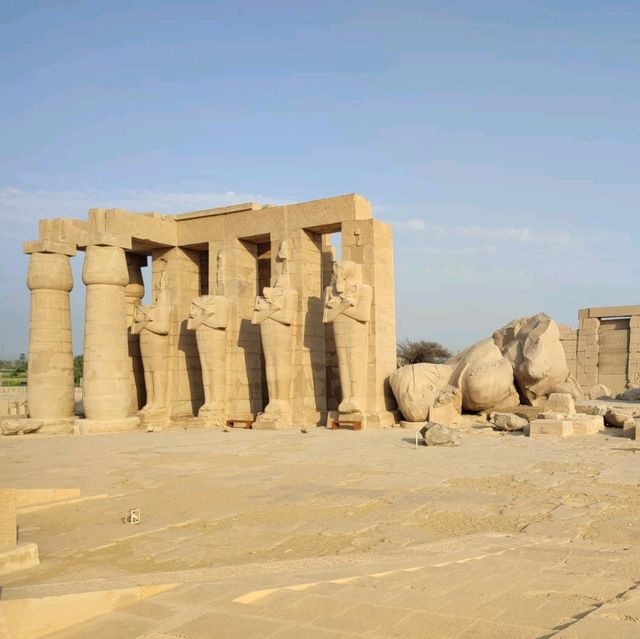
(377, 419)
(86, 426)
(151, 419)
(272, 421)
(211, 417)
(18, 557)
(65, 425)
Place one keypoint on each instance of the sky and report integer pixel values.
(501, 140)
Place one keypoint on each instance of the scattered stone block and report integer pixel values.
(553, 427)
(508, 421)
(439, 435)
(562, 403)
(590, 409)
(587, 424)
(445, 414)
(618, 418)
(630, 395)
(599, 391)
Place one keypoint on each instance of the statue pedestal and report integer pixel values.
(373, 419)
(272, 421)
(212, 417)
(151, 419)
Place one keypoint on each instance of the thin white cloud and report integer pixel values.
(520, 235)
(21, 206)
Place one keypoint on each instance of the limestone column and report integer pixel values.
(50, 390)
(106, 382)
(134, 292)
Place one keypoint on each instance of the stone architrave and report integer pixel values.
(153, 323)
(347, 306)
(275, 312)
(50, 389)
(209, 317)
(106, 386)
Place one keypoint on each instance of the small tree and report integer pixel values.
(78, 362)
(416, 352)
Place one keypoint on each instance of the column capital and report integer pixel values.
(105, 265)
(50, 271)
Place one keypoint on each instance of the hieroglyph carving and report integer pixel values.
(347, 305)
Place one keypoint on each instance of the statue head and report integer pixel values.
(345, 275)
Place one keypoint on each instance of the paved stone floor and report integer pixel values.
(337, 533)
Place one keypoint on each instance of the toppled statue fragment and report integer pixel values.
(508, 421)
(439, 435)
(524, 362)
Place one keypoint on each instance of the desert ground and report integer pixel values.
(328, 534)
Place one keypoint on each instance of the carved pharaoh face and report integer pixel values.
(344, 275)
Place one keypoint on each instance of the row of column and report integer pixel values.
(106, 378)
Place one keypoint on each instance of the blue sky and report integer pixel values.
(500, 139)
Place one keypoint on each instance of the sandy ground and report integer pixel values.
(219, 506)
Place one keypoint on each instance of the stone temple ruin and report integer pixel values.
(253, 321)
(251, 318)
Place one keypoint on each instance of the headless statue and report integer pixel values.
(152, 322)
(209, 317)
(347, 305)
(275, 312)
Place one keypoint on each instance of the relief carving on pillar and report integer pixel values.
(275, 312)
(347, 305)
(209, 317)
(153, 322)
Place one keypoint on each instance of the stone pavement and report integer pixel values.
(489, 586)
(336, 534)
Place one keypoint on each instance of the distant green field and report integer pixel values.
(11, 377)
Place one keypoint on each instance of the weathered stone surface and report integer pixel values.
(439, 435)
(539, 362)
(485, 377)
(7, 517)
(599, 391)
(445, 414)
(275, 312)
(508, 421)
(630, 395)
(553, 427)
(590, 409)
(19, 426)
(562, 403)
(416, 388)
(347, 306)
(587, 424)
(618, 418)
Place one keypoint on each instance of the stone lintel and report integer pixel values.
(99, 238)
(49, 246)
(614, 311)
(64, 229)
